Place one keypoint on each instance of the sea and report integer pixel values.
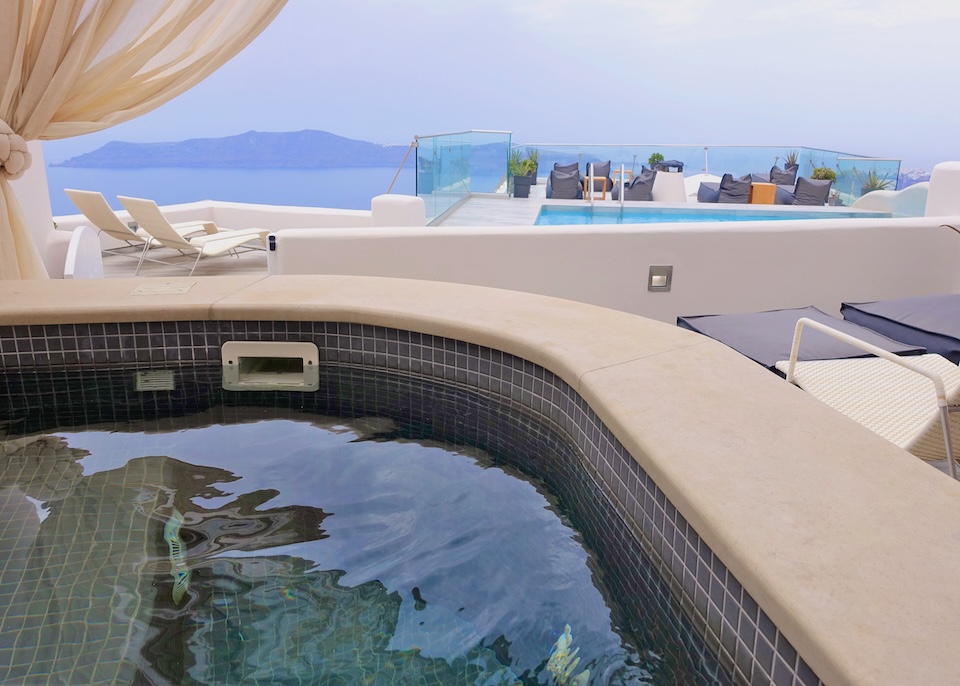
(344, 188)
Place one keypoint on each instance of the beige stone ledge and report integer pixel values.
(851, 545)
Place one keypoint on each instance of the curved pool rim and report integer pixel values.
(841, 538)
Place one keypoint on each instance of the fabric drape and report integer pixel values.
(70, 67)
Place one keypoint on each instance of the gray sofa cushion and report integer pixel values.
(601, 170)
(784, 195)
(811, 191)
(766, 337)
(564, 185)
(640, 187)
(709, 191)
(932, 321)
(787, 177)
(734, 190)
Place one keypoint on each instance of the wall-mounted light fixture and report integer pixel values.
(660, 277)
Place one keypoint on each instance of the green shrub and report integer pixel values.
(823, 173)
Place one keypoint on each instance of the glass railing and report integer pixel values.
(857, 176)
(738, 160)
(696, 159)
(452, 166)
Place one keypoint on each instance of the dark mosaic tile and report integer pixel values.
(635, 508)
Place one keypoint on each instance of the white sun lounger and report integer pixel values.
(914, 402)
(101, 216)
(162, 233)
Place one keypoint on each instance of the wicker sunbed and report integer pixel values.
(914, 402)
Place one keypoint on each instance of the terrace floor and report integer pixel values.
(500, 210)
(481, 210)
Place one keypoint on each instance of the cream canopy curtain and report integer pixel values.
(69, 67)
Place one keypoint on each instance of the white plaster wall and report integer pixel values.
(736, 267)
(943, 198)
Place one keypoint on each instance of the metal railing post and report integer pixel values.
(413, 144)
(623, 173)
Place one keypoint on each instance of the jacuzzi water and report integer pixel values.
(268, 545)
(310, 555)
(566, 215)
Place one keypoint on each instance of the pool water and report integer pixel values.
(411, 560)
(551, 215)
(205, 537)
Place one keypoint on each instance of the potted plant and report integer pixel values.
(654, 159)
(790, 159)
(534, 156)
(873, 181)
(521, 170)
(823, 173)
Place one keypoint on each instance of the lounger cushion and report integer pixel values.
(735, 190)
(787, 177)
(709, 191)
(932, 321)
(811, 191)
(766, 337)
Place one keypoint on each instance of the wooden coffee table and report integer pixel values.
(763, 193)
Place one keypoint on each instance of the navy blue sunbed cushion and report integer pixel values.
(932, 321)
(766, 337)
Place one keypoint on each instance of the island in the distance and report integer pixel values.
(306, 149)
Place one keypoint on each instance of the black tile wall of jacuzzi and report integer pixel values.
(619, 502)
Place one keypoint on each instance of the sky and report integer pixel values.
(877, 78)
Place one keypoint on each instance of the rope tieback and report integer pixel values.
(15, 157)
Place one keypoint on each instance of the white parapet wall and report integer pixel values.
(909, 202)
(943, 198)
(386, 210)
(718, 268)
(238, 215)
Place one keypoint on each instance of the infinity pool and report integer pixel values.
(566, 215)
